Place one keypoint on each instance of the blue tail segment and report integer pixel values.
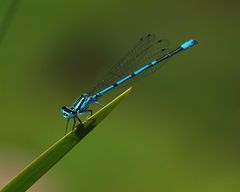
(154, 62)
(189, 43)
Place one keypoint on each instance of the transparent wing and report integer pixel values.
(144, 51)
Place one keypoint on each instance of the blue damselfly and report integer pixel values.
(148, 53)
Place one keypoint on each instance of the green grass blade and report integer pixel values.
(7, 12)
(28, 176)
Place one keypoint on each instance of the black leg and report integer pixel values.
(79, 120)
(89, 111)
(66, 127)
(74, 123)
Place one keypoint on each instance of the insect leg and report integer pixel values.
(66, 126)
(79, 119)
(89, 111)
(74, 123)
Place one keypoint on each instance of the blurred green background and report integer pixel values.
(177, 131)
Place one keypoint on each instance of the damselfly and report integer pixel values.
(147, 54)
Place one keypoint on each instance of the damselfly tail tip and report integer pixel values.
(189, 43)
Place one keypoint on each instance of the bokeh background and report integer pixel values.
(177, 131)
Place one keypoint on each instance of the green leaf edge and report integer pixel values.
(45, 161)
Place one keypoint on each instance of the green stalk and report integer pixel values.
(7, 11)
(29, 175)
